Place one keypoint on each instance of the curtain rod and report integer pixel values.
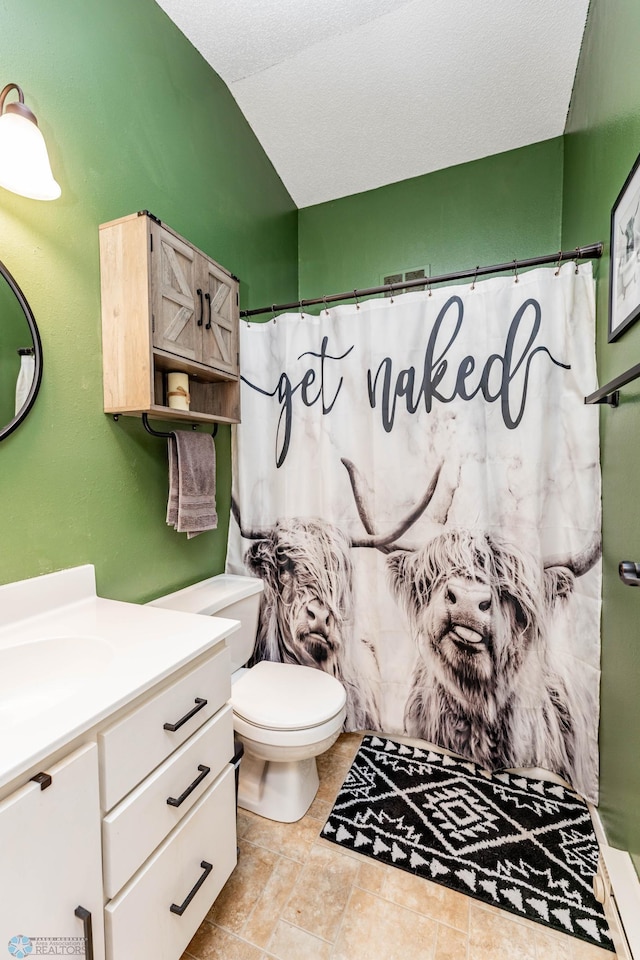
(591, 252)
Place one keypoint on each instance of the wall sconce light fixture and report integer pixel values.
(24, 161)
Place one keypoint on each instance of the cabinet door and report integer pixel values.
(50, 862)
(220, 328)
(176, 296)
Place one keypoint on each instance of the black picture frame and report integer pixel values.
(624, 269)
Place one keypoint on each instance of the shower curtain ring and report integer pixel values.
(578, 255)
(515, 271)
(475, 277)
(273, 313)
(326, 308)
(429, 284)
(300, 308)
(355, 297)
(558, 264)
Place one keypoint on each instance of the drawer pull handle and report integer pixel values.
(183, 796)
(207, 868)
(200, 703)
(85, 915)
(44, 779)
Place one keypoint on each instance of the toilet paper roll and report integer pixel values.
(178, 391)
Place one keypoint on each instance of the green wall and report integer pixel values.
(488, 211)
(134, 119)
(601, 144)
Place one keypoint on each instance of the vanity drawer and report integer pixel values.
(138, 743)
(139, 922)
(137, 825)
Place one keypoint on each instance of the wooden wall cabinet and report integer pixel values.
(166, 306)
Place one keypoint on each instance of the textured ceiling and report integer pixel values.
(347, 95)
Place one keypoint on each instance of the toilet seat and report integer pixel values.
(286, 697)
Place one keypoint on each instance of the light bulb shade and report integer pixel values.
(24, 161)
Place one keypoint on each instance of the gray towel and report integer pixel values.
(191, 507)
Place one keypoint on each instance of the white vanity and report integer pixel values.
(117, 795)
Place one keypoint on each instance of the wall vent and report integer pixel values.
(416, 273)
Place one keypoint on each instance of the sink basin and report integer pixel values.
(39, 674)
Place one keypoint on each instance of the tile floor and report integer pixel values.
(295, 896)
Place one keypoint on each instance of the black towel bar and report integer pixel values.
(610, 392)
(161, 433)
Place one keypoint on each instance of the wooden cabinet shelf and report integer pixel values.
(160, 412)
(164, 361)
(166, 307)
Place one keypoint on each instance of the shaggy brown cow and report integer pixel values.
(484, 684)
(306, 613)
(307, 607)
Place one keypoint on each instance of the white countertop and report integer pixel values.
(69, 659)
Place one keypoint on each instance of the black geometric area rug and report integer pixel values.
(521, 844)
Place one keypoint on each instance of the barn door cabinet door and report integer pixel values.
(166, 307)
(220, 326)
(195, 304)
(176, 320)
(51, 861)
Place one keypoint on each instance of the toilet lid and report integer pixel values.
(286, 696)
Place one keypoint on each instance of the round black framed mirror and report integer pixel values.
(20, 355)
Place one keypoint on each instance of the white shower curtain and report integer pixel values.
(417, 482)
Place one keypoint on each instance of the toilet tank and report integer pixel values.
(227, 595)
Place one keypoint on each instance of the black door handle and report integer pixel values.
(85, 915)
(629, 573)
(199, 292)
(200, 703)
(207, 868)
(175, 802)
(207, 297)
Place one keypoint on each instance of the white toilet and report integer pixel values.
(284, 714)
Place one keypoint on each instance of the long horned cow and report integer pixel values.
(307, 609)
(486, 683)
